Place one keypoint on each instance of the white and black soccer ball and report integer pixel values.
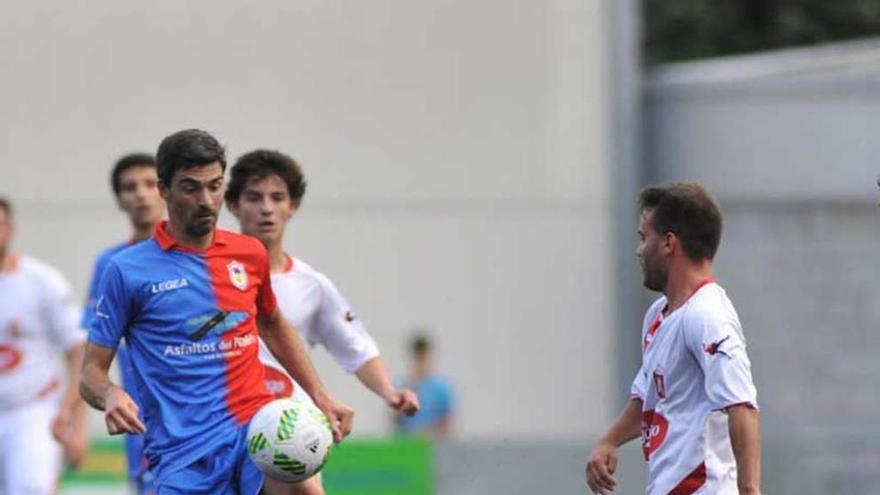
(289, 440)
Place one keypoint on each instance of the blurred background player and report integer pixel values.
(693, 401)
(135, 186)
(190, 303)
(435, 394)
(265, 191)
(38, 323)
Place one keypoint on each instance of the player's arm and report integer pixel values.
(284, 343)
(745, 437)
(374, 375)
(603, 460)
(343, 334)
(120, 411)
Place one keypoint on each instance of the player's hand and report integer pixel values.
(601, 467)
(121, 413)
(340, 415)
(73, 437)
(404, 401)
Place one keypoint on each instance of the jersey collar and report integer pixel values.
(167, 241)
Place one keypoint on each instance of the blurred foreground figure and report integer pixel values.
(136, 186)
(191, 303)
(434, 420)
(265, 191)
(42, 420)
(693, 401)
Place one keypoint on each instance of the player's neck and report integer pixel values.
(142, 232)
(198, 243)
(684, 281)
(278, 259)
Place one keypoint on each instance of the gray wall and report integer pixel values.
(457, 154)
(787, 143)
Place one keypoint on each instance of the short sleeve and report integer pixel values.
(447, 399)
(62, 313)
(639, 387)
(340, 331)
(113, 309)
(89, 309)
(718, 346)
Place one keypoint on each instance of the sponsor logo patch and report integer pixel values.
(654, 429)
(715, 347)
(166, 285)
(9, 358)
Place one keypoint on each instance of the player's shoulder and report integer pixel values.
(654, 309)
(241, 244)
(304, 273)
(133, 254)
(306, 270)
(41, 272)
(107, 253)
(439, 384)
(709, 305)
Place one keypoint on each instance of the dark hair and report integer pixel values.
(420, 345)
(259, 164)
(184, 150)
(126, 162)
(6, 206)
(686, 210)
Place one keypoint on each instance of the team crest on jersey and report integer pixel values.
(238, 275)
(660, 383)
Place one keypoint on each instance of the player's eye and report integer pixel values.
(189, 187)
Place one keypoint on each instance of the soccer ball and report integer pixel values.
(289, 440)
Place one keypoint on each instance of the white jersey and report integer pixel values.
(311, 302)
(694, 366)
(38, 320)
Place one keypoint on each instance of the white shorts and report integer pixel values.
(30, 458)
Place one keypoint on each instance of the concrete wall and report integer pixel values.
(457, 154)
(787, 143)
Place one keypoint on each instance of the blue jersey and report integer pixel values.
(189, 321)
(436, 401)
(134, 444)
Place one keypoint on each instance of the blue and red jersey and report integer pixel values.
(189, 321)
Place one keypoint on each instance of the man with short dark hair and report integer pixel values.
(134, 183)
(265, 191)
(42, 417)
(693, 401)
(190, 304)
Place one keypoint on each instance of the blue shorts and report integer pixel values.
(225, 470)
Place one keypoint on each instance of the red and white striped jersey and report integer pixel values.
(694, 366)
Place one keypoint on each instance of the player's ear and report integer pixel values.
(232, 206)
(670, 242)
(163, 189)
